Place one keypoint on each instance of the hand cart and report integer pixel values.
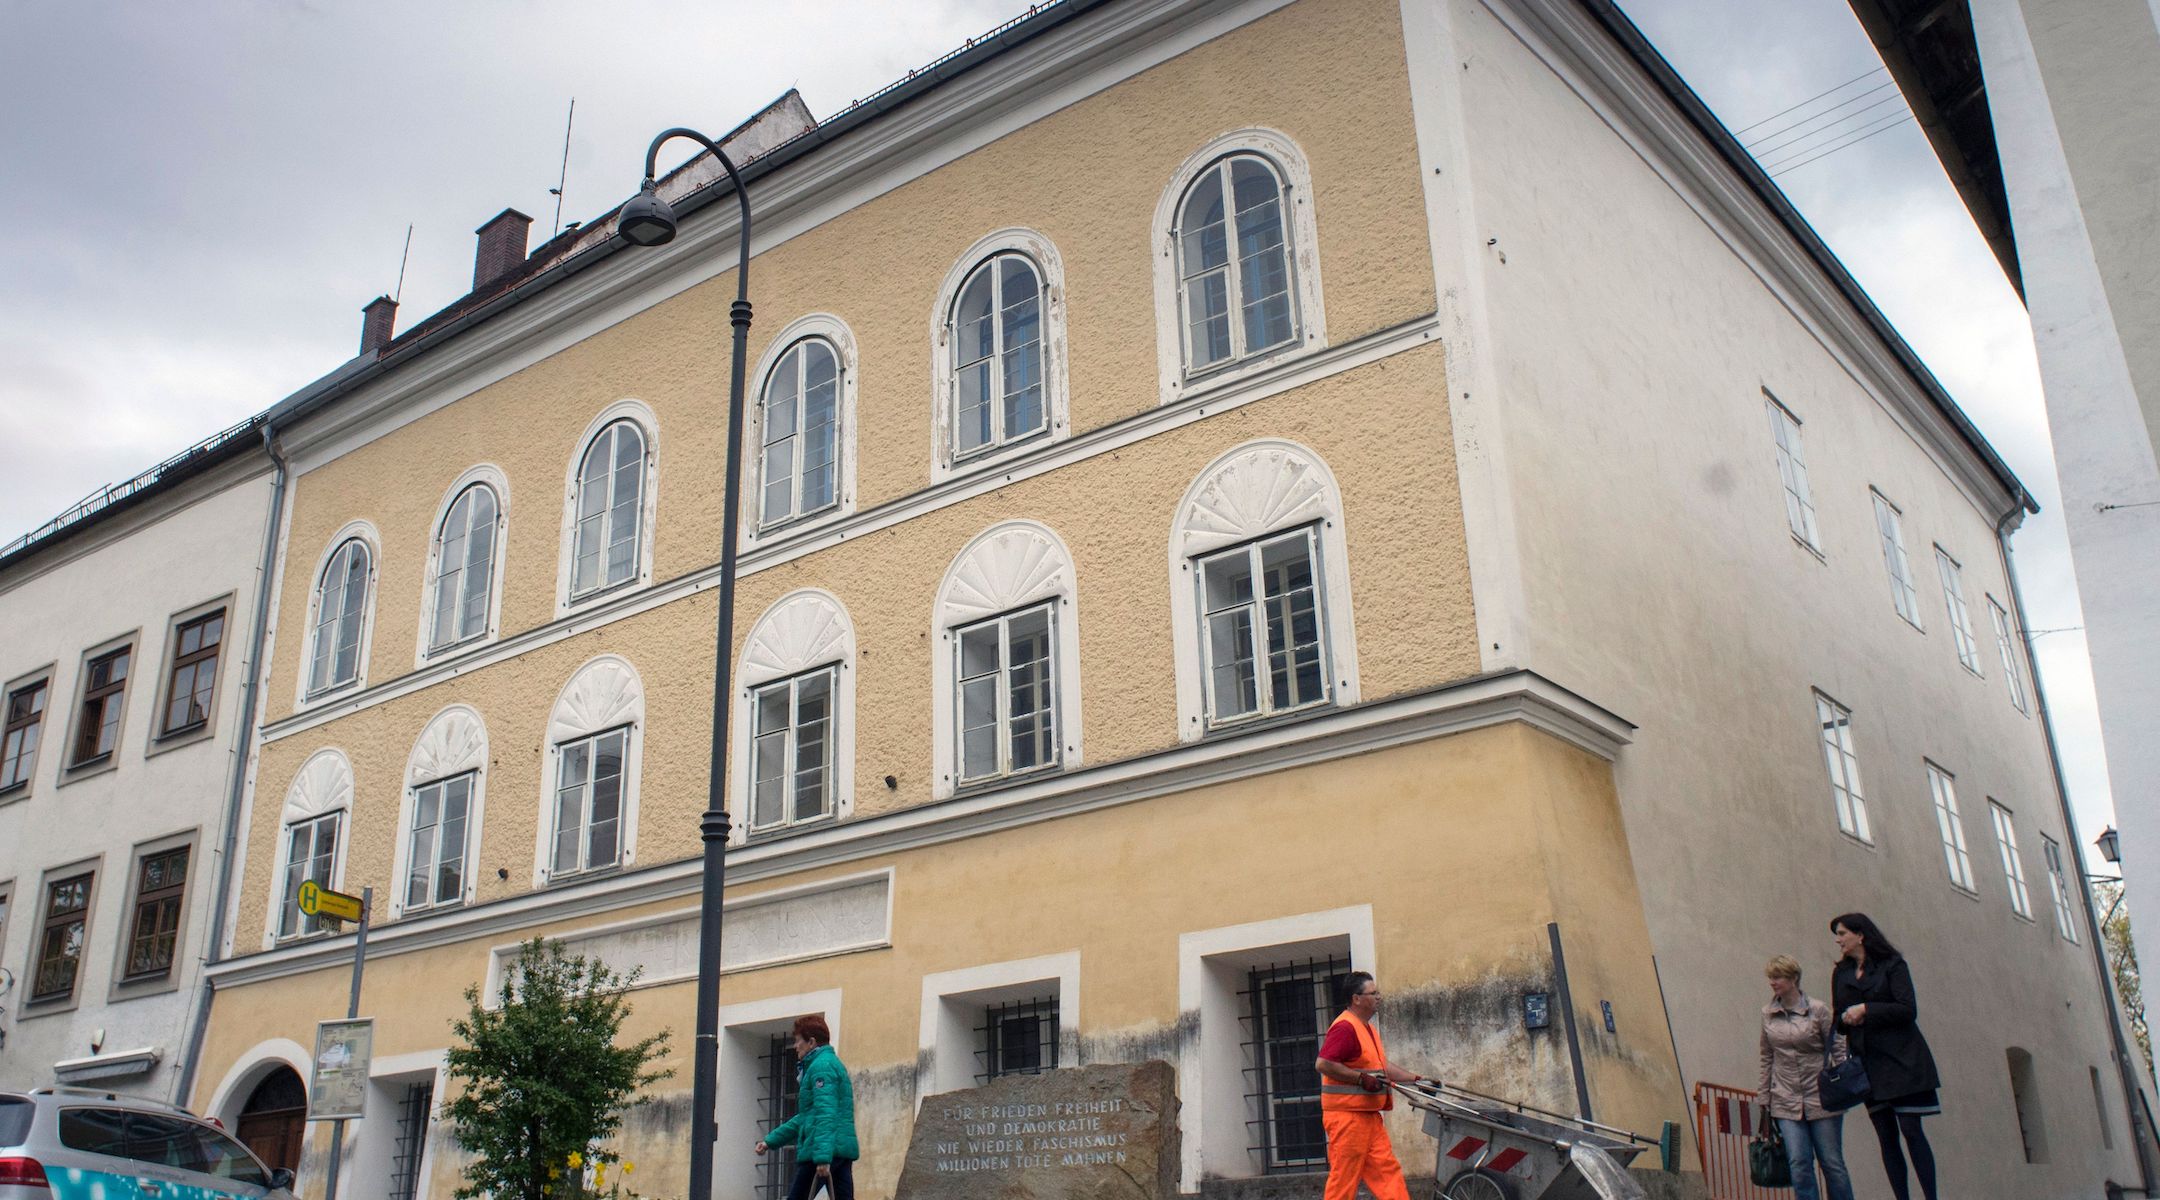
(1494, 1149)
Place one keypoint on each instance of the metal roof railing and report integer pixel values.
(105, 497)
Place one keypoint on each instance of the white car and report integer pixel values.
(67, 1144)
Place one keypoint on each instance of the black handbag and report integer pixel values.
(1767, 1165)
(1843, 1085)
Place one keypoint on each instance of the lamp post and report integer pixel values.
(647, 220)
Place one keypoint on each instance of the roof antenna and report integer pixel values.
(402, 258)
(564, 178)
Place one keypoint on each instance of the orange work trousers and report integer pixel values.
(1358, 1151)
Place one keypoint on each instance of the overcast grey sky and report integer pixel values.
(196, 199)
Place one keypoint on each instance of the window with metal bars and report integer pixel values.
(414, 1110)
(1287, 1008)
(777, 1101)
(1017, 1038)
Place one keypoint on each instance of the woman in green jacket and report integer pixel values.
(823, 1127)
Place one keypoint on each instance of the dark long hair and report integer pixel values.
(1872, 940)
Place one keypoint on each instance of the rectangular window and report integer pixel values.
(1260, 606)
(1792, 472)
(2011, 675)
(18, 745)
(1018, 1038)
(160, 896)
(1288, 1009)
(1008, 694)
(2013, 863)
(791, 750)
(1951, 824)
(60, 939)
(777, 1102)
(97, 731)
(414, 1109)
(435, 854)
(310, 857)
(1891, 528)
(2059, 888)
(1843, 765)
(588, 803)
(194, 672)
(1953, 585)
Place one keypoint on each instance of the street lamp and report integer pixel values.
(647, 220)
(2110, 843)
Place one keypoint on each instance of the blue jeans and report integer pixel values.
(1809, 1142)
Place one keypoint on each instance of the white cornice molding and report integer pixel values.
(780, 550)
(1482, 702)
(1024, 84)
(1605, 77)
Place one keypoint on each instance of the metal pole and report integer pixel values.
(1567, 1017)
(352, 1010)
(714, 826)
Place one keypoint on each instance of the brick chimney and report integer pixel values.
(502, 247)
(378, 320)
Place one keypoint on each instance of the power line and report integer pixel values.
(1857, 115)
(1810, 100)
(1794, 166)
(1824, 113)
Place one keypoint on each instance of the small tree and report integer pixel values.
(2122, 959)
(542, 1074)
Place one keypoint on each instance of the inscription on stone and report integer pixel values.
(1084, 1133)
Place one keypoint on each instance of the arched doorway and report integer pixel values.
(273, 1122)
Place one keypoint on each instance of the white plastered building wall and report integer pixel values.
(1625, 515)
(953, 1004)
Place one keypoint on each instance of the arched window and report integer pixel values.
(794, 733)
(1005, 667)
(461, 590)
(609, 511)
(340, 617)
(595, 740)
(1260, 590)
(799, 425)
(999, 333)
(312, 842)
(998, 356)
(1237, 278)
(439, 827)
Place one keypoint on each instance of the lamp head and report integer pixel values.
(2110, 844)
(646, 220)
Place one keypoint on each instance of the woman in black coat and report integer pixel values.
(1872, 994)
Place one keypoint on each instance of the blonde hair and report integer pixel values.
(1783, 967)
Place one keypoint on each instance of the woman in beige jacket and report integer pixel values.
(1795, 1029)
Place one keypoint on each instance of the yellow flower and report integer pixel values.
(629, 1167)
(576, 1160)
(554, 1173)
(599, 1175)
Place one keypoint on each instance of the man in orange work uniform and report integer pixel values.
(1354, 1075)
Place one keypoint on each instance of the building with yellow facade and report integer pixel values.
(1235, 492)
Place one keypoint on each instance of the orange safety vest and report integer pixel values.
(1371, 1056)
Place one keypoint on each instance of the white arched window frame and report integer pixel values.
(1179, 374)
(758, 519)
(459, 565)
(606, 523)
(603, 698)
(313, 829)
(1011, 568)
(340, 620)
(948, 458)
(439, 822)
(1246, 497)
(802, 636)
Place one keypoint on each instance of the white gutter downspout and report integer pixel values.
(2131, 1092)
(199, 1022)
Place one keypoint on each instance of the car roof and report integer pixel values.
(64, 1095)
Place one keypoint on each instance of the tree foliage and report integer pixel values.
(2122, 960)
(542, 1076)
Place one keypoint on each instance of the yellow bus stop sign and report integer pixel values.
(318, 901)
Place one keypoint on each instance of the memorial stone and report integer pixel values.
(1079, 1133)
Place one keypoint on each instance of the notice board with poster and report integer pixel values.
(337, 1090)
